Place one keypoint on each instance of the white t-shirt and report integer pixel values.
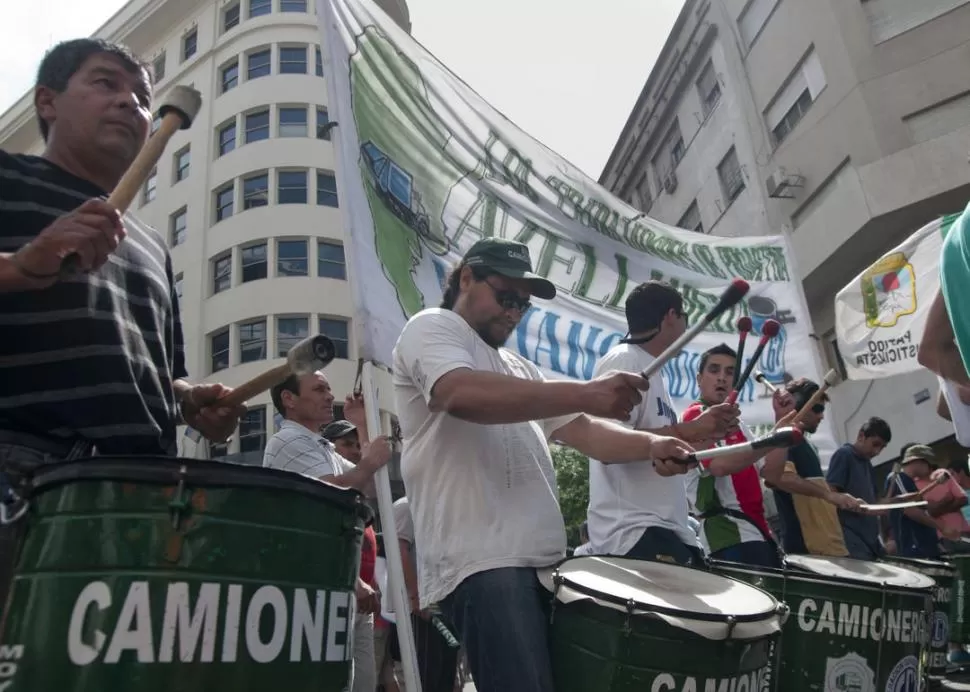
(959, 411)
(380, 576)
(481, 496)
(625, 499)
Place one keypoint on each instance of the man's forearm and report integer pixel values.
(410, 578)
(938, 351)
(607, 442)
(489, 398)
(796, 485)
(12, 280)
(358, 479)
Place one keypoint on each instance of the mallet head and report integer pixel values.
(185, 101)
(770, 329)
(744, 324)
(311, 354)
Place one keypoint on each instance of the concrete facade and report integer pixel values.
(860, 106)
(257, 279)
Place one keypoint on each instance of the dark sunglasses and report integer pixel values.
(509, 300)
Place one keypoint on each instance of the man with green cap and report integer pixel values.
(915, 529)
(477, 420)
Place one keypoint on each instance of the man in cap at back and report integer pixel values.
(917, 529)
(476, 420)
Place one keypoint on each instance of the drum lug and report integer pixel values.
(10, 500)
(784, 610)
(179, 502)
(731, 624)
(557, 582)
(631, 607)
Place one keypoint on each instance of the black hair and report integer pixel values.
(649, 303)
(453, 284)
(719, 350)
(877, 427)
(290, 384)
(802, 389)
(64, 60)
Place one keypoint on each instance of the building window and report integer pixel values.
(257, 126)
(293, 5)
(291, 187)
(183, 158)
(323, 124)
(252, 341)
(177, 224)
(291, 258)
(793, 100)
(190, 42)
(148, 192)
(691, 220)
(179, 280)
(754, 16)
(326, 189)
(330, 261)
(674, 145)
(254, 264)
(289, 332)
(225, 199)
(293, 122)
(227, 138)
(732, 178)
(230, 76)
(256, 191)
(257, 8)
(259, 64)
(252, 430)
(318, 59)
(708, 88)
(219, 348)
(221, 274)
(339, 333)
(158, 68)
(293, 60)
(230, 17)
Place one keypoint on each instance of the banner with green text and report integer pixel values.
(426, 167)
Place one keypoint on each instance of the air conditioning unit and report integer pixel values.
(781, 184)
(670, 182)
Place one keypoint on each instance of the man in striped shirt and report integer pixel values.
(94, 360)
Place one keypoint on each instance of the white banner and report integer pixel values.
(426, 168)
(879, 317)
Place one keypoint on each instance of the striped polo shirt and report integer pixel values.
(93, 357)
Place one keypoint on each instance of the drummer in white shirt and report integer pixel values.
(476, 420)
(634, 511)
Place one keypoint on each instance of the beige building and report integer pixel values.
(844, 124)
(247, 196)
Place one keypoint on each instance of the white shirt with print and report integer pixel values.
(625, 499)
(481, 496)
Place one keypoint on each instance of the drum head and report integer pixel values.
(691, 599)
(875, 573)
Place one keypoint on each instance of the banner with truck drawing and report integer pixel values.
(426, 168)
(880, 316)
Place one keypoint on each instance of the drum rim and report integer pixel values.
(854, 580)
(158, 470)
(634, 606)
(813, 577)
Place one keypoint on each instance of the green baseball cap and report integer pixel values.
(919, 452)
(511, 259)
(337, 429)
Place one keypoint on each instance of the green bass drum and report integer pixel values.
(160, 574)
(621, 624)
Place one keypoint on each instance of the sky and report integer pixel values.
(565, 74)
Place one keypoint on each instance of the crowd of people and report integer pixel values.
(93, 363)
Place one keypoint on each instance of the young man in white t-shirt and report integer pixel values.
(633, 510)
(476, 421)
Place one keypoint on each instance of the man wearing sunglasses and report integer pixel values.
(476, 420)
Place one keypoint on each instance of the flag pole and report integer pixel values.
(382, 480)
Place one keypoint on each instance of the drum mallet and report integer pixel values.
(831, 379)
(309, 355)
(178, 110)
(769, 330)
(783, 437)
(760, 377)
(731, 297)
(744, 326)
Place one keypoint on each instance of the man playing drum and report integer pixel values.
(476, 421)
(94, 360)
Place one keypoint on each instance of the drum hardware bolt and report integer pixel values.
(179, 502)
(5, 515)
(631, 607)
(732, 622)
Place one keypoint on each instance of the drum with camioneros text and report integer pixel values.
(960, 607)
(159, 574)
(620, 624)
(944, 574)
(854, 625)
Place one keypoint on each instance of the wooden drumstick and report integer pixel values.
(180, 108)
(831, 379)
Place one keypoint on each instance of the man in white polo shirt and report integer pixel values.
(476, 420)
(306, 404)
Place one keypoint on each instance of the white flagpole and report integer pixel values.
(382, 480)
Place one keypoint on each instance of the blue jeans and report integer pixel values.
(758, 553)
(503, 622)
